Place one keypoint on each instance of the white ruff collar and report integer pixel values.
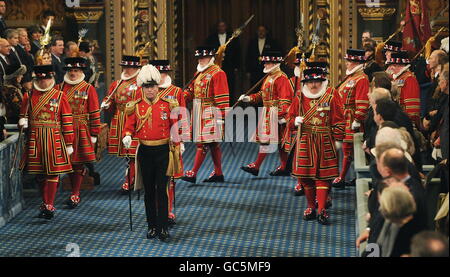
(355, 69)
(273, 69)
(167, 82)
(76, 82)
(125, 78)
(307, 93)
(36, 87)
(203, 68)
(297, 71)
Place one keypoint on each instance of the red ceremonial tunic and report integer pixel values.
(288, 139)
(50, 132)
(315, 154)
(175, 93)
(83, 101)
(150, 122)
(409, 95)
(355, 101)
(124, 92)
(276, 96)
(210, 96)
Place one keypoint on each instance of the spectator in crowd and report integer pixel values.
(388, 110)
(232, 58)
(397, 206)
(262, 43)
(3, 133)
(43, 57)
(28, 58)
(57, 50)
(35, 34)
(429, 244)
(370, 126)
(366, 35)
(5, 50)
(85, 52)
(12, 91)
(370, 66)
(17, 55)
(433, 96)
(71, 49)
(46, 16)
(3, 26)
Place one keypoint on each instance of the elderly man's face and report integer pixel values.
(23, 37)
(5, 47)
(384, 172)
(433, 60)
(203, 61)
(14, 40)
(268, 66)
(376, 117)
(44, 83)
(75, 74)
(314, 86)
(129, 71)
(350, 65)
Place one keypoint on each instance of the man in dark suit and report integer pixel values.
(57, 49)
(5, 50)
(3, 26)
(27, 57)
(255, 49)
(17, 54)
(232, 58)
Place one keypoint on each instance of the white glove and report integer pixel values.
(244, 98)
(94, 140)
(23, 122)
(69, 150)
(338, 145)
(105, 105)
(126, 141)
(355, 125)
(182, 148)
(282, 121)
(298, 120)
(220, 121)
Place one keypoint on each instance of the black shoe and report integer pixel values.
(164, 235)
(46, 214)
(171, 222)
(279, 172)
(323, 217)
(340, 185)
(71, 203)
(299, 191)
(152, 233)
(250, 170)
(215, 179)
(309, 214)
(189, 179)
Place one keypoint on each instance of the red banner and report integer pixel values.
(417, 25)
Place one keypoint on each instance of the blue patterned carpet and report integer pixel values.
(244, 217)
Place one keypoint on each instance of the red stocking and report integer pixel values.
(322, 188)
(217, 158)
(347, 147)
(310, 192)
(200, 156)
(76, 178)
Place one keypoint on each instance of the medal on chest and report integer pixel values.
(53, 105)
(164, 115)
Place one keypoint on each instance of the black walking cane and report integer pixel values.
(129, 189)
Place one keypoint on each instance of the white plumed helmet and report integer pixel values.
(148, 76)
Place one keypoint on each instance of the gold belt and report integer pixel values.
(206, 100)
(316, 129)
(80, 118)
(272, 103)
(157, 142)
(45, 124)
(349, 107)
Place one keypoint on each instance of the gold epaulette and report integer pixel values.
(131, 107)
(173, 103)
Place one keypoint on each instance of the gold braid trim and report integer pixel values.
(131, 107)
